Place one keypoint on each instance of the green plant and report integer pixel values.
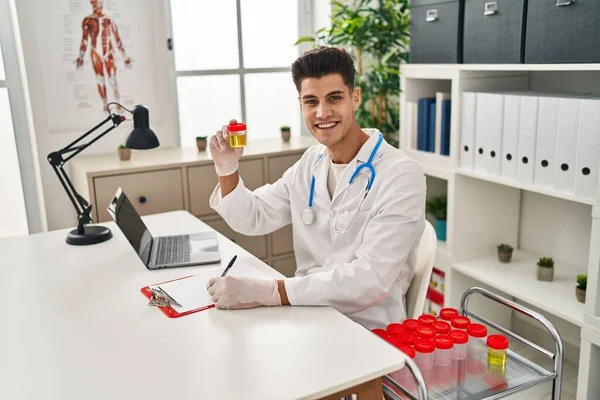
(437, 207)
(376, 33)
(505, 248)
(546, 262)
(582, 281)
(285, 128)
(122, 146)
(201, 137)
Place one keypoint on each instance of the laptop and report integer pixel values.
(164, 251)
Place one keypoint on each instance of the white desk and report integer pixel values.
(74, 325)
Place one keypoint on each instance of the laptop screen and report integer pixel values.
(131, 224)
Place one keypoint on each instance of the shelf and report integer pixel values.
(518, 279)
(592, 323)
(432, 164)
(529, 188)
(447, 71)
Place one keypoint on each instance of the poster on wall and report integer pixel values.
(94, 52)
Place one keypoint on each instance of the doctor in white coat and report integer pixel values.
(355, 253)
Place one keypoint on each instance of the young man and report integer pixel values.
(355, 253)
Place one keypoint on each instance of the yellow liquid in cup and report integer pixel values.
(497, 357)
(237, 140)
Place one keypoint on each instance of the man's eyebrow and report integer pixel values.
(312, 96)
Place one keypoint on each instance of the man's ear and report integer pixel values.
(356, 98)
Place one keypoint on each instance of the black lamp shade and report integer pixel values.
(141, 136)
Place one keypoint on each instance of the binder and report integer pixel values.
(467, 136)
(446, 127)
(440, 98)
(423, 123)
(431, 127)
(588, 147)
(566, 144)
(481, 128)
(510, 136)
(546, 142)
(528, 112)
(411, 122)
(493, 135)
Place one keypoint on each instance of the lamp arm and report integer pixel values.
(57, 162)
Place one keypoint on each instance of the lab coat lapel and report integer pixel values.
(320, 171)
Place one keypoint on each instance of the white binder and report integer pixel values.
(510, 136)
(546, 142)
(481, 130)
(586, 173)
(467, 137)
(566, 144)
(493, 139)
(527, 134)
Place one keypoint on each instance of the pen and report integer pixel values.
(229, 266)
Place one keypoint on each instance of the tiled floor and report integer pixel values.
(544, 391)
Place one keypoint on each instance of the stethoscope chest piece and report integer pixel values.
(308, 216)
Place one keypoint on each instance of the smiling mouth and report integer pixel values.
(327, 125)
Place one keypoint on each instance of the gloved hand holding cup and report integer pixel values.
(227, 147)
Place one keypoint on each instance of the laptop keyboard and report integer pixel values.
(173, 250)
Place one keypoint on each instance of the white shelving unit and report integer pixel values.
(485, 210)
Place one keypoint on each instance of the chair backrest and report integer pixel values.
(417, 291)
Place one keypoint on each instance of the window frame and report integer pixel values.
(306, 17)
(22, 124)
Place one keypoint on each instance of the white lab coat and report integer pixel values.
(363, 274)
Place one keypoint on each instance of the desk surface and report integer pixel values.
(78, 328)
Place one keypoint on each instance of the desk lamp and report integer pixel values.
(141, 137)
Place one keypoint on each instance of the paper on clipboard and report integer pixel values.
(191, 292)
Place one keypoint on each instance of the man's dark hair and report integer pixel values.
(322, 61)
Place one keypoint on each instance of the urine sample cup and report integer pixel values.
(424, 349)
(448, 313)
(443, 350)
(441, 327)
(407, 338)
(237, 134)
(380, 332)
(426, 332)
(427, 319)
(477, 334)
(394, 329)
(411, 324)
(460, 339)
(497, 347)
(460, 322)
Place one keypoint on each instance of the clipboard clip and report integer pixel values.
(160, 298)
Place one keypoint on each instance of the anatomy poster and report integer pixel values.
(94, 52)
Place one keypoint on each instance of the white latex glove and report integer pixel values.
(235, 293)
(226, 159)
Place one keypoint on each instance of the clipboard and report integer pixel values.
(169, 311)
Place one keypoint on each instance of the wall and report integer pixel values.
(59, 211)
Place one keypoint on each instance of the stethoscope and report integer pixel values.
(308, 215)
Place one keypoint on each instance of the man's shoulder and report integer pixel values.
(396, 162)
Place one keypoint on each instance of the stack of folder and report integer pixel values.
(547, 140)
(429, 122)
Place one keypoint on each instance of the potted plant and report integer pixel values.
(436, 206)
(124, 153)
(581, 287)
(505, 252)
(201, 142)
(545, 270)
(285, 133)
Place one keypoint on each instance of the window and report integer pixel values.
(233, 60)
(13, 216)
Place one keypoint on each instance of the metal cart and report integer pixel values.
(471, 379)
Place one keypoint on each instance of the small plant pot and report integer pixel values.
(580, 294)
(545, 274)
(124, 154)
(285, 135)
(440, 229)
(505, 256)
(201, 144)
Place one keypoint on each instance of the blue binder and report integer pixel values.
(445, 128)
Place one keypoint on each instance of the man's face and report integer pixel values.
(328, 107)
(96, 5)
